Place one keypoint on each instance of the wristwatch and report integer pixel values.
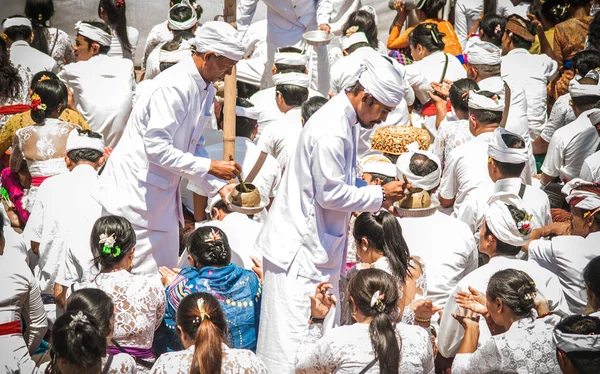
(314, 320)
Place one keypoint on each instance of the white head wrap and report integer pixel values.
(384, 168)
(577, 90)
(477, 101)
(291, 58)
(185, 25)
(16, 21)
(252, 112)
(576, 342)
(582, 194)
(498, 150)
(371, 10)
(75, 140)
(296, 79)
(355, 38)
(382, 79)
(501, 223)
(428, 182)
(174, 56)
(484, 53)
(220, 38)
(93, 33)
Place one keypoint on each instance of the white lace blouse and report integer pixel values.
(60, 47)
(121, 363)
(348, 349)
(235, 361)
(526, 348)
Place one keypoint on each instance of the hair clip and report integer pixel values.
(213, 236)
(351, 30)
(109, 247)
(524, 225)
(530, 296)
(377, 301)
(497, 29)
(464, 95)
(40, 17)
(118, 3)
(79, 317)
(36, 102)
(202, 310)
(44, 78)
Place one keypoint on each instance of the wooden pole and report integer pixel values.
(229, 15)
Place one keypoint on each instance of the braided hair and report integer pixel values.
(209, 246)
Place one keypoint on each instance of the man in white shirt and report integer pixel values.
(531, 72)
(304, 238)
(467, 165)
(507, 159)
(102, 86)
(590, 170)
(572, 144)
(162, 144)
(566, 256)
(19, 34)
(505, 230)
(451, 253)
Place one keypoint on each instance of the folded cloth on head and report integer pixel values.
(173, 56)
(484, 53)
(502, 224)
(220, 38)
(517, 26)
(427, 182)
(16, 21)
(377, 167)
(75, 140)
(381, 78)
(355, 38)
(182, 25)
(93, 33)
(290, 58)
(577, 89)
(296, 79)
(252, 112)
(499, 151)
(576, 342)
(582, 194)
(477, 101)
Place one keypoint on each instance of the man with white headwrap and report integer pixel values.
(163, 144)
(577, 341)
(102, 86)
(567, 255)
(505, 230)
(572, 144)
(466, 168)
(303, 241)
(451, 253)
(507, 158)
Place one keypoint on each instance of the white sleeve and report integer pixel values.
(35, 224)
(34, 314)
(554, 158)
(211, 183)
(449, 186)
(324, 9)
(542, 253)
(486, 359)
(451, 333)
(151, 43)
(585, 173)
(69, 273)
(314, 354)
(418, 82)
(550, 67)
(460, 23)
(245, 14)
(469, 214)
(557, 119)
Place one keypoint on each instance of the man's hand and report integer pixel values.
(441, 89)
(394, 191)
(473, 300)
(224, 169)
(324, 27)
(539, 28)
(226, 190)
(167, 275)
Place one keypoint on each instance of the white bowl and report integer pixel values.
(318, 37)
(264, 201)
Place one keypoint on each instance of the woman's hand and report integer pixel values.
(472, 300)
(469, 320)
(167, 275)
(322, 301)
(424, 309)
(441, 89)
(541, 304)
(257, 268)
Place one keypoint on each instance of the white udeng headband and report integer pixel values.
(91, 32)
(501, 223)
(477, 101)
(575, 342)
(577, 90)
(174, 56)
(251, 112)
(499, 151)
(16, 21)
(428, 182)
(357, 37)
(78, 141)
(296, 79)
(185, 25)
(290, 58)
(582, 198)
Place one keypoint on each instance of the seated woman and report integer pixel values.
(14, 81)
(202, 328)
(211, 270)
(374, 340)
(490, 29)
(508, 305)
(139, 300)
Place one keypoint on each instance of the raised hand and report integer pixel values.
(468, 320)
(321, 303)
(472, 300)
(224, 169)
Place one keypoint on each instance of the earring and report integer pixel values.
(364, 249)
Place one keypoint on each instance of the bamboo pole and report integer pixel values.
(229, 15)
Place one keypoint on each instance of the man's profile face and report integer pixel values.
(216, 67)
(83, 50)
(371, 112)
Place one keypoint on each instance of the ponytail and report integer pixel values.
(490, 7)
(39, 12)
(48, 95)
(208, 353)
(385, 343)
(428, 36)
(116, 11)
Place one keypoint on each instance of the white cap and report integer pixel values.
(220, 38)
(382, 79)
(93, 33)
(16, 21)
(75, 140)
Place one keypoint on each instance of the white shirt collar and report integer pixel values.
(517, 51)
(84, 169)
(193, 70)
(507, 184)
(348, 109)
(20, 43)
(498, 258)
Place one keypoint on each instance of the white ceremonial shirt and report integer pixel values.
(571, 145)
(30, 59)
(446, 246)
(280, 139)
(567, 256)
(251, 68)
(103, 89)
(450, 134)
(590, 170)
(432, 67)
(115, 44)
(562, 114)
(451, 333)
(532, 73)
(466, 169)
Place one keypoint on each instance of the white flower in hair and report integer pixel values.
(108, 241)
(375, 298)
(79, 317)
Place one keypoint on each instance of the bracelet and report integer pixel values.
(383, 193)
(421, 320)
(313, 320)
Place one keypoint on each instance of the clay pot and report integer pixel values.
(245, 199)
(416, 199)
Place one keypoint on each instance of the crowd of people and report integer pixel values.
(429, 204)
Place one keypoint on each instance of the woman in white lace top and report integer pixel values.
(522, 340)
(139, 300)
(202, 328)
(375, 343)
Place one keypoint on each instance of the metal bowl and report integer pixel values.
(318, 37)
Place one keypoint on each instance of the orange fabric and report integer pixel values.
(398, 40)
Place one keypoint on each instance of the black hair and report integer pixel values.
(37, 77)
(584, 61)
(181, 13)
(510, 170)
(209, 246)
(502, 247)
(593, 38)
(586, 362)
(591, 276)
(86, 154)
(580, 3)
(39, 12)
(487, 117)
(490, 7)
(311, 106)
(1, 226)
(493, 26)
(422, 165)
(16, 33)
(293, 95)
(356, 46)
(384, 233)
(286, 68)
(95, 302)
(432, 8)
(220, 205)
(77, 338)
(382, 328)
(457, 91)
(584, 103)
(365, 22)
(517, 40)
(10, 80)
(53, 93)
(516, 289)
(173, 45)
(385, 179)
(244, 126)
(103, 49)
(120, 229)
(428, 36)
(116, 10)
(209, 331)
(555, 11)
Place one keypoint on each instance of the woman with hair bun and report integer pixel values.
(523, 339)
(238, 290)
(139, 300)
(375, 343)
(202, 328)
